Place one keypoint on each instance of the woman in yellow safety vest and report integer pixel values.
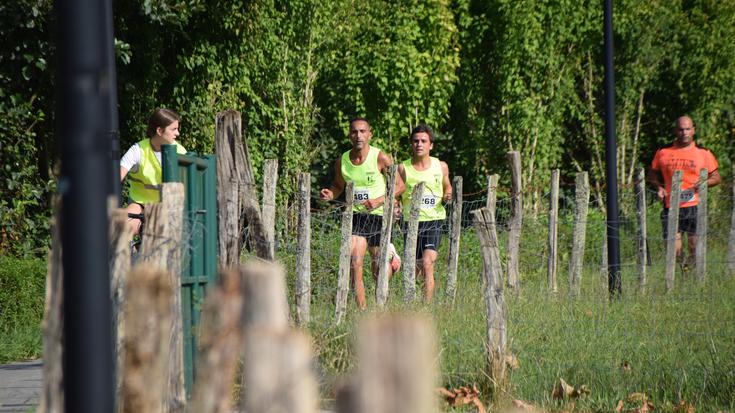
(142, 162)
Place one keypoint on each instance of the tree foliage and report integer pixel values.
(488, 76)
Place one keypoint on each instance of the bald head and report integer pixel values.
(684, 131)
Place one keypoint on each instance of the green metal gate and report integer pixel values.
(198, 174)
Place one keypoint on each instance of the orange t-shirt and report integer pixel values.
(690, 160)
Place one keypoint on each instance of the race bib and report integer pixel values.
(686, 195)
(429, 202)
(361, 195)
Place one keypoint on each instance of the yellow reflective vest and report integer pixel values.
(145, 183)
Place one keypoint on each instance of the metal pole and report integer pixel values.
(613, 239)
(82, 137)
(110, 87)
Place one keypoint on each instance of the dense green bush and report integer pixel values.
(489, 76)
(22, 287)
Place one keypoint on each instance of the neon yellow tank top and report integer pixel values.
(431, 202)
(145, 183)
(368, 181)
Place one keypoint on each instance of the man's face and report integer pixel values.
(360, 134)
(421, 144)
(684, 130)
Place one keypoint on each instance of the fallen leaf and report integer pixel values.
(636, 397)
(684, 407)
(512, 361)
(565, 390)
(619, 407)
(588, 313)
(462, 396)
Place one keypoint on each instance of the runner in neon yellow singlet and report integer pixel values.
(422, 167)
(364, 166)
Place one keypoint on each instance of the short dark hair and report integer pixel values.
(422, 128)
(160, 118)
(360, 119)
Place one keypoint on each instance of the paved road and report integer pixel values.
(20, 386)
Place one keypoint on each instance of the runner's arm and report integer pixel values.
(337, 186)
(446, 183)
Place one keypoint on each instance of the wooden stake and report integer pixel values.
(343, 280)
(396, 372)
(576, 264)
(672, 230)
(278, 375)
(220, 345)
(52, 393)
(409, 250)
(701, 252)
(270, 181)
(230, 186)
(496, 309)
(163, 248)
(492, 192)
(641, 235)
(303, 253)
(146, 379)
(381, 290)
(456, 230)
(553, 230)
(264, 295)
(516, 221)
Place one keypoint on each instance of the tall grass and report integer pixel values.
(673, 347)
(21, 307)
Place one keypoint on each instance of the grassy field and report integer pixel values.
(673, 347)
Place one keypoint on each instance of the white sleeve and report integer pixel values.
(131, 158)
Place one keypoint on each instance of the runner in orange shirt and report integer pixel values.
(686, 155)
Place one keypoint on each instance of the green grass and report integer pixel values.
(678, 346)
(22, 286)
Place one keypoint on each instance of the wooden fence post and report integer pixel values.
(394, 377)
(456, 231)
(303, 253)
(409, 250)
(120, 236)
(277, 362)
(731, 248)
(233, 150)
(672, 229)
(146, 379)
(343, 279)
(701, 252)
(270, 181)
(220, 345)
(576, 264)
(553, 230)
(641, 235)
(496, 310)
(492, 192)
(52, 393)
(516, 221)
(163, 247)
(381, 290)
(277, 372)
(230, 186)
(264, 295)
